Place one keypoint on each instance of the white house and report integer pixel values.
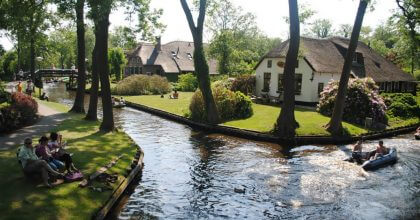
(321, 60)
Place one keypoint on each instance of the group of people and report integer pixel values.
(29, 87)
(47, 158)
(380, 151)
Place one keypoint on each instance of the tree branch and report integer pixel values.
(189, 16)
(201, 15)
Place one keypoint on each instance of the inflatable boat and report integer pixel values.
(389, 158)
(417, 136)
(118, 105)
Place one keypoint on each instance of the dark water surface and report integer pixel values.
(191, 175)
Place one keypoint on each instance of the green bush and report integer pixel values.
(140, 84)
(244, 84)
(231, 105)
(187, 82)
(362, 101)
(403, 105)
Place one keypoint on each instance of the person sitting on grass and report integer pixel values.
(32, 164)
(57, 147)
(44, 96)
(43, 151)
(174, 95)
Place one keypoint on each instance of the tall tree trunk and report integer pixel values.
(79, 102)
(32, 52)
(103, 68)
(200, 62)
(286, 122)
(335, 126)
(92, 113)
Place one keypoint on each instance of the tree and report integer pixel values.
(286, 122)
(117, 61)
(61, 45)
(66, 6)
(2, 50)
(123, 37)
(200, 62)
(335, 126)
(410, 15)
(344, 30)
(322, 28)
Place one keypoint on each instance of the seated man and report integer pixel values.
(381, 150)
(32, 164)
(122, 101)
(357, 151)
(44, 96)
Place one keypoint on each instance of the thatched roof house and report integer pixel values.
(322, 60)
(168, 60)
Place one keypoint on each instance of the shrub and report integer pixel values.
(9, 119)
(222, 83)
(187, 82)
(362, 101)
(25, 105)
(403, 105)
(244, 84)
(140, 84)
(231, 105)
(4, 96)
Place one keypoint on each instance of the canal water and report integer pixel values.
(193, 175)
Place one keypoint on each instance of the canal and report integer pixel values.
(193, 175)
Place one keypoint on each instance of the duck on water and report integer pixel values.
(371, 160)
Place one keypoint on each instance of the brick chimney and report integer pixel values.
(158, 44)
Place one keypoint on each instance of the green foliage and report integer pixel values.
(4, 96)
(187, 82)
(117, 61)
(231, 105)
(8, 65)
(123, 37)
(403, 105)
(321, 28)
(362, 101)
(244, 84)
(142, 85)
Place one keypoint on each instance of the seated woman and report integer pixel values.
(57, 147)
(42, 151)
(174, 95)
(32, 164)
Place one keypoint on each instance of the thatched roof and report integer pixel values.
(327, 56)
(174, 57)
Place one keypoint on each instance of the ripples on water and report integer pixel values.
(191, 175)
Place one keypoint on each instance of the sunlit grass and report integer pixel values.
(21, 199)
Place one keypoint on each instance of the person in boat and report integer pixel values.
(32, 164)
(43, 151)
(122, 101)
(57, 147)
(380, 151)
(357, 151)
(113, 100)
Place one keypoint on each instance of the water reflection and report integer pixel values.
(192, 175)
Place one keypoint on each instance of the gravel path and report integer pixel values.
(49, 119)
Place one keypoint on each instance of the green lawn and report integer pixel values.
(263, 119)
(21, 199)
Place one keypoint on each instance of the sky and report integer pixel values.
(269, 15)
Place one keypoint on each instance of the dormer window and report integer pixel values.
(358, 58)
(173, 53)
(189, 56)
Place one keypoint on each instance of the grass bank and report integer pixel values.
(21, 199)
(263, 119)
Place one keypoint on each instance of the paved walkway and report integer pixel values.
(49, 119)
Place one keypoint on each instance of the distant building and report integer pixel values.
(170, 60)
(322, 60)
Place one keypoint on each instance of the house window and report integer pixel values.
(269, 63)
(158, 71)
(189, 56)
(267, 77)
(320, 88)
(298, 84)
(280, 87)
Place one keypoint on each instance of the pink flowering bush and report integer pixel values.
(363, 100)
